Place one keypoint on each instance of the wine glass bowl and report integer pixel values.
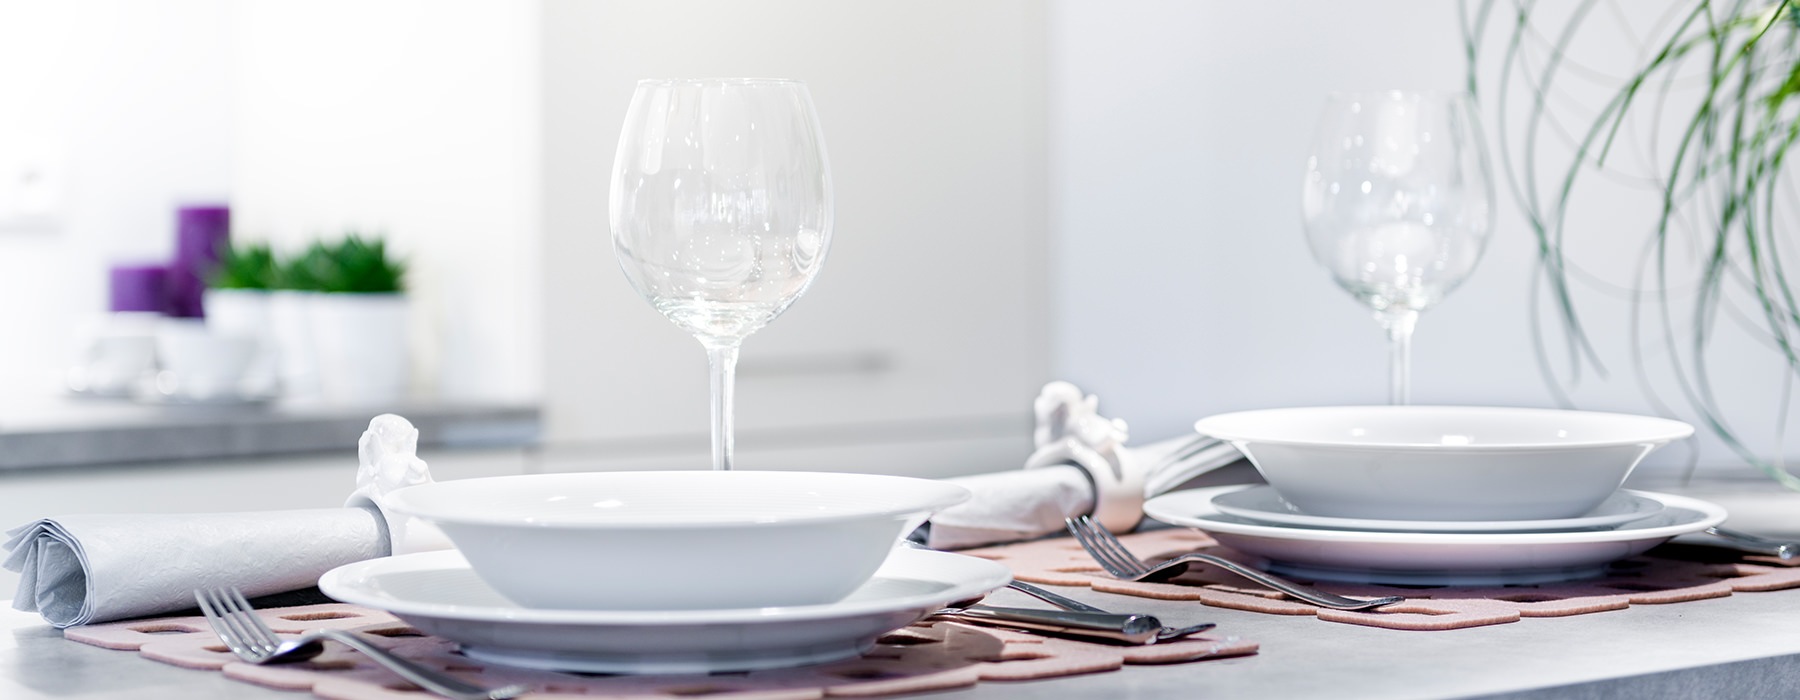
(721, 211)
(1398, 204)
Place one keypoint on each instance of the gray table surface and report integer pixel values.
(1743, 646)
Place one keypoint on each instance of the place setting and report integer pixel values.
(1421, 518)
(674, 576)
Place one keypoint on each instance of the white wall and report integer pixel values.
(417, 118)
(1183, 284)
(127, 105)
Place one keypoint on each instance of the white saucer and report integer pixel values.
(439, 594)
(1264, 504)
(1435, 558)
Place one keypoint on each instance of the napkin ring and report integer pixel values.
(1117, 478)
(388, 460)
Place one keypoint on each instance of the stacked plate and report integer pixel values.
(669, 572)
(1439, 495)
(439, 594)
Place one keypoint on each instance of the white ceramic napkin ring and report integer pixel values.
(388, 459)
(1070, 430)
(1117, 479)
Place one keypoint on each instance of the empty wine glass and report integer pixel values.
(1398, 204)
(721, 212)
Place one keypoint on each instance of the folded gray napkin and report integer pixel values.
(81, 569)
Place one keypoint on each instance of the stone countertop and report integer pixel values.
(76, 432)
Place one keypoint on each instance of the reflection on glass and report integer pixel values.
(1398, 204)
(721, 212)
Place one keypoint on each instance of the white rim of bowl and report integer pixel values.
(935, 496)
(1668, 430)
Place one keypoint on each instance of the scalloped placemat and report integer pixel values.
(923, 657)
(1671, 573)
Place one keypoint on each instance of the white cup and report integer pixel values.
(116, 350)
(199, 363)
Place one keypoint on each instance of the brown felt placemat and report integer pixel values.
(924, 657)
(1668, 574)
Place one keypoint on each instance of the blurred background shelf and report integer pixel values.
(75, 433)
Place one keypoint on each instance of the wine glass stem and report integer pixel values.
(723, 357)
(1399, 325)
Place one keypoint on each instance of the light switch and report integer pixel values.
(31, 192)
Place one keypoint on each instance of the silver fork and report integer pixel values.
(244, 633)
(1121, 563)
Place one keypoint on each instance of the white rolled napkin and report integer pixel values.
(81, 569)
(1081, 467)
(1009, 506)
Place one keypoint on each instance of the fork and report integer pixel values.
(1122, 564)
(250, 639)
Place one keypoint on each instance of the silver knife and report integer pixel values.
(1129, 629)
(1746, 542)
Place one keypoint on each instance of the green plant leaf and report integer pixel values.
(244, 266)
(354, 265)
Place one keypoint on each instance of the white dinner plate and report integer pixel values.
(439, 594)
(1434, 558)
(1264, 504)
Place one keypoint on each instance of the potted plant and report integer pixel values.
(357, 318)
(237, 301)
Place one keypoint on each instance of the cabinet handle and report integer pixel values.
(868, 363)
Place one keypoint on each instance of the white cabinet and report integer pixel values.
(927, 323)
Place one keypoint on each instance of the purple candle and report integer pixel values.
(201, 233)
(140, 288)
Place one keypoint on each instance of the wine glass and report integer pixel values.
(721, 212)
(1398, 204)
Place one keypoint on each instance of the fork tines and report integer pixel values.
(228, 612)
(1100, 547)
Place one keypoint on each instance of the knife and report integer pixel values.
(1129, 629)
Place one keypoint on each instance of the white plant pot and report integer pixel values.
(360, 346)
(249, 313)
(292, 328)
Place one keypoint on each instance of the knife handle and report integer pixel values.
(1130, 629)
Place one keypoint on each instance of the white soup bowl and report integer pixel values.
(1461, 463)
(676, 540)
